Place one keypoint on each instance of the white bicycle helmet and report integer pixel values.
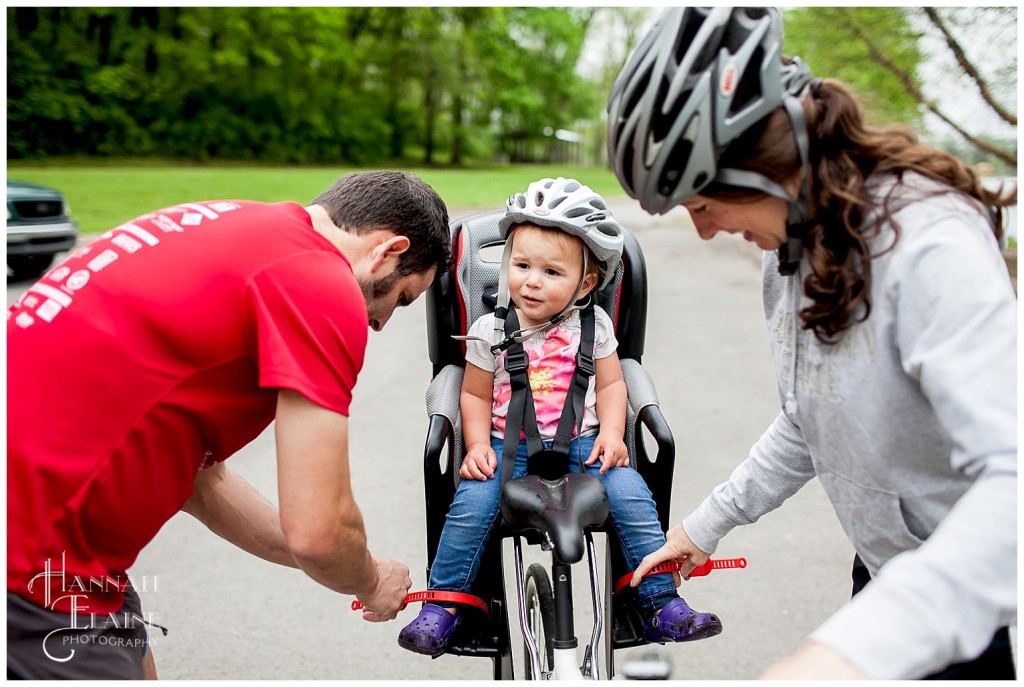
(699, 80)
(568, 205)
(564, 204)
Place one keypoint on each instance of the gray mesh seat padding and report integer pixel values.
(476, 276)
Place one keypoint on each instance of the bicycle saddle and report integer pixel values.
(560, 509)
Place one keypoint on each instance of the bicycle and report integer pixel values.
(563, 512)
(544, 602)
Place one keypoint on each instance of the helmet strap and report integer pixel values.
(796, 222)
(501, 306)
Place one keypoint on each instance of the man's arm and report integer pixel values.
(234, 510)
(319, 516)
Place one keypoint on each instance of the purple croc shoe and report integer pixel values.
(430, 632)
(677, 622)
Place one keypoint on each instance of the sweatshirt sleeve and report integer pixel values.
(941, 603)
(779, 464)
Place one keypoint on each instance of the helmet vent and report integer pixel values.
(661, 123)
(668, 180)
(686, 38)
(598, 204)
(636, 94)
(748, 87)
(576, 212)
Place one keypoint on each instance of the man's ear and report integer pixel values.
(391, 247)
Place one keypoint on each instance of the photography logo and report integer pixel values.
(69, 595)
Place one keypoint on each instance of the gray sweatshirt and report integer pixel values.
(910, 425)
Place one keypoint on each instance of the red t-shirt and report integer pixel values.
(150, 353)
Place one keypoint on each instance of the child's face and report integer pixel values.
(544, 271)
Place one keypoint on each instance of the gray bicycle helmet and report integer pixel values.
(568, 205)
(699, 80)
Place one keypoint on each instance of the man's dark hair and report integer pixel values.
(363, 201)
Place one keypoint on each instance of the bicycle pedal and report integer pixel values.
(649, 665)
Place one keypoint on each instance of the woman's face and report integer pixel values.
(762, 221)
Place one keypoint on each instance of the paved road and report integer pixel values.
(231, 616)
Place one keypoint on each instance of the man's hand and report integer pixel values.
(677, 547)
(813, 661)
(480, 463)
(388, 596)
(611, 450)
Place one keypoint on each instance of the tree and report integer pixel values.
(880, 52)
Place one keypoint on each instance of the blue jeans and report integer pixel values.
(474, 514)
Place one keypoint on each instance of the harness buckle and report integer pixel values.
(585, 364)
(503, 345)
(516, 362)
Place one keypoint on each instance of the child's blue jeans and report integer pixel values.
(474, 514)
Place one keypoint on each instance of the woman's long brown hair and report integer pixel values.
(844, 153)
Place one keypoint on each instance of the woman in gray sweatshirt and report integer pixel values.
(892, 323)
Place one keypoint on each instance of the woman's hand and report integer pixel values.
(611, 450)
(678, 547)
(480, 463)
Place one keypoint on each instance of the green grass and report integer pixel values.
(105, 194)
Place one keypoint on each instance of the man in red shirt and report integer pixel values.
(155, 352)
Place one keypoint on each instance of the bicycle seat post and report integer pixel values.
(565, 641)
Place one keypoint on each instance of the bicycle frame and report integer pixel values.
(565, 665)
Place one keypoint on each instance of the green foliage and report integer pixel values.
(353, 85)
(823, 38)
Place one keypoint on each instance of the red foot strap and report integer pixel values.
(675, 566)
(432, 595)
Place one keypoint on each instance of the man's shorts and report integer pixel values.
(48, 645)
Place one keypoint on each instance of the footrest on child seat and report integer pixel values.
(560, 509)
(436, 595)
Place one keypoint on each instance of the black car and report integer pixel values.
(38, 227)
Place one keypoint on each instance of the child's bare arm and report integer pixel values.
(610, 389)
(475, 404)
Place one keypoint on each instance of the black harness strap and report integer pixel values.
(522, 415)
(575, 399)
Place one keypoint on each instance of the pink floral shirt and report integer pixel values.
(552, 363)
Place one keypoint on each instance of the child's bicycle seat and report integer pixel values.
(560, 510)
(454, 301)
